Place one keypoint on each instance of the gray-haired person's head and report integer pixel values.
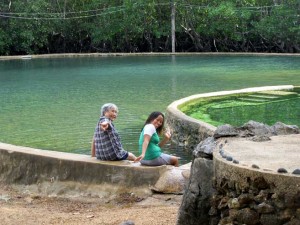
(106, 107)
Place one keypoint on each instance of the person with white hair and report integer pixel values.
(106, 144)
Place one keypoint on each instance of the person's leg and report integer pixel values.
(169, 159)
(174, 161)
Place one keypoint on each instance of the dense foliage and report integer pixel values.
(64, 26)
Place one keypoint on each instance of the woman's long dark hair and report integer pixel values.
(152, 117)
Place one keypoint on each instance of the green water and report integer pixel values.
(54, 103)
(266, 107)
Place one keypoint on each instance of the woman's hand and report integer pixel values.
(144, 148)
(139, 158)
(168, 134)
(167, 137)
(104, 125)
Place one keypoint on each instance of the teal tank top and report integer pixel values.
(153, 150)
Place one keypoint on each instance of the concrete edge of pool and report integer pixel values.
(59, 173)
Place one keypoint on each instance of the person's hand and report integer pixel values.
(139, 158)
(104, 125)
(168, 134)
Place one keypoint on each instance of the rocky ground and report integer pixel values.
(26, 208)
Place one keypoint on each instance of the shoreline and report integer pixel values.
(70, 55)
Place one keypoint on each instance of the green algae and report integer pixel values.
(266, 107)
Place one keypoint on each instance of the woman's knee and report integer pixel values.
(174, 161)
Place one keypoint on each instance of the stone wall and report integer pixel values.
(249, 196)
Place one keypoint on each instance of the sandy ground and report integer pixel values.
(28, 209)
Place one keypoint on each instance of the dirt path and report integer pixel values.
(29, 209)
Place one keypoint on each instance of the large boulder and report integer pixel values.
(173, 181)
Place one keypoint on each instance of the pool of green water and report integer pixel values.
(54, 103)
(267, 107)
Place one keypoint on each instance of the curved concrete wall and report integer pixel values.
(187, 131)
(28, 166)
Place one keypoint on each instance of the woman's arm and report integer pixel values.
(166, 138)
(144, 147)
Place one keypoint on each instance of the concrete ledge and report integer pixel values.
(28, 166)
(187, 131)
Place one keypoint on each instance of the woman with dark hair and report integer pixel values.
(150, 143)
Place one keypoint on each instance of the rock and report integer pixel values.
(225, 131)
(127, 222)
(5, 198)
(264, 208)
(286, 214)
(233, 213)
(260, 183)
(233, 203)
(298, 213)
(186, 174)
(171, 181)
(196, 201)
(283, 129)
(282, 170)
(212, 211)
(296, 171)
(255, 166)
(260, 138)
(205, 148)
(245, 199)
(229, 158)
(235, 161)
(223, 203)
(253, 128)
(262, 196)
(247, 216)
(293, 222)
(269, 219)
